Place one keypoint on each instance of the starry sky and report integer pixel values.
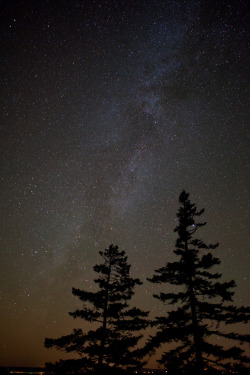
(109, 109)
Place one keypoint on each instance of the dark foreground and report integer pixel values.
(42, 371)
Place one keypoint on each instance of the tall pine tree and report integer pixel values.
(113, 343)
(202, 303)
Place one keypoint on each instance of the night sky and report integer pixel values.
(109, 109)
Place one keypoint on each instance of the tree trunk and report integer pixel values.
(197, 341)
(196, 335)
(104, 324)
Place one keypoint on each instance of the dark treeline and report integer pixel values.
(200, 310)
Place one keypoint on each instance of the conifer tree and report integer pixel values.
(112, 344)
(202, 303)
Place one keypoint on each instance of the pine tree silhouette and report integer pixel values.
(202, 304)
(112, 345)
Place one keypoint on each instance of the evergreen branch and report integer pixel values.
(87, 314)
(172, 297)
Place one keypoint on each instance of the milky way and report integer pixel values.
(110, 109)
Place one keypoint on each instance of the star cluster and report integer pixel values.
(109, 110)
